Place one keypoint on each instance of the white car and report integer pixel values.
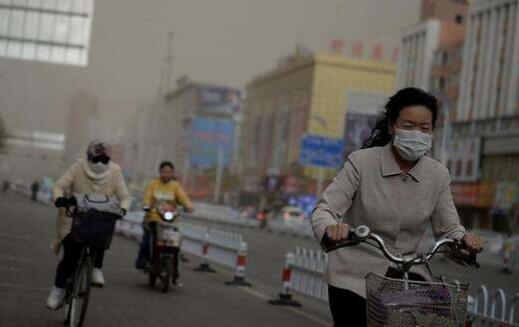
(292, 215)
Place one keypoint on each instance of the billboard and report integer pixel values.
(362, 112)
(357, 129)
(209, 137)
(220, 101)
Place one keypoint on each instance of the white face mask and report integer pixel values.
(98, 167)
(412, 144)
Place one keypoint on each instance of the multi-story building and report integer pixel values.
(490, 76)
(82, 112)
(442, 23)
(306, 94)
(32, 155)
(419, 44)
(197, 127)
(488, 112)
(444, 10)
(446, 71)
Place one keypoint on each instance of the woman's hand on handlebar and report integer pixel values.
(473, 243)
(63, 202)
(337, 232)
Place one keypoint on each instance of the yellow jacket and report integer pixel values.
(170, 192)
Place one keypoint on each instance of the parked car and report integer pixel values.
(292, 215)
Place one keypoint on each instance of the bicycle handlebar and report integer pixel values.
(363, 234)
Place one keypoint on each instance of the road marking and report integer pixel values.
(255, 293)
(18, 237)
(294, 310)
(21, 259)
(33, 288)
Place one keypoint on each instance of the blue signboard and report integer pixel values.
(208, 137)
(321, 151)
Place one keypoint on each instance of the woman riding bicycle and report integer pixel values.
(392, 187)
(164, 191)
(97, 174)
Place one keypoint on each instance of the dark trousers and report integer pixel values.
(71, 254)
(348, 308)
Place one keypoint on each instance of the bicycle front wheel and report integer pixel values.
(79, 301)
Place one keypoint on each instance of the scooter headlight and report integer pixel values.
(168, 215)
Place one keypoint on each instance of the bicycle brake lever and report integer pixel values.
(328, 245)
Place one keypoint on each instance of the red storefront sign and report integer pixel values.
(478, 195)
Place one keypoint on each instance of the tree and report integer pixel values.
(3, 134)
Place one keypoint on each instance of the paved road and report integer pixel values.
(27, 268)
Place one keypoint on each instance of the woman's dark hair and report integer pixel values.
(166, 164)
(404, 98)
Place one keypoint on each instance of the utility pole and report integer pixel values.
(219, 175)
(166, 72)
(320, 176)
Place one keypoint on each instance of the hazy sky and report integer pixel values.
(219, 41)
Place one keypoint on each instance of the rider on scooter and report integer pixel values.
(164, 190)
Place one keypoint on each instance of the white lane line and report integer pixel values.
(14, 236)
(26, 287)
(294, 310)
(255, 293)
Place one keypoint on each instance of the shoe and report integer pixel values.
(98, 279)
(177, 283)
(55, 298)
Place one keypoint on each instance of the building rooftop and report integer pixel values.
(341, 61)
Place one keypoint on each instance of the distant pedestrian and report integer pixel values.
(35, 188)
(5, 186)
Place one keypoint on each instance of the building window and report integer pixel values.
(459, 19)
(470, 168)
(457, 171)
(56, 31)
(442, 83)
(445, 57)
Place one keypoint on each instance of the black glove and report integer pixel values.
(123, 211)
(61, 202)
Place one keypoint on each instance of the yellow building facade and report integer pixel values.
(334, 77)
(306, 94)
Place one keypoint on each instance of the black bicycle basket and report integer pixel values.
(94, 228)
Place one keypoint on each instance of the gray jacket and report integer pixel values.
(371, 190)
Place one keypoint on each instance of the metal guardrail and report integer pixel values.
(304, 273)
(496, 310)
